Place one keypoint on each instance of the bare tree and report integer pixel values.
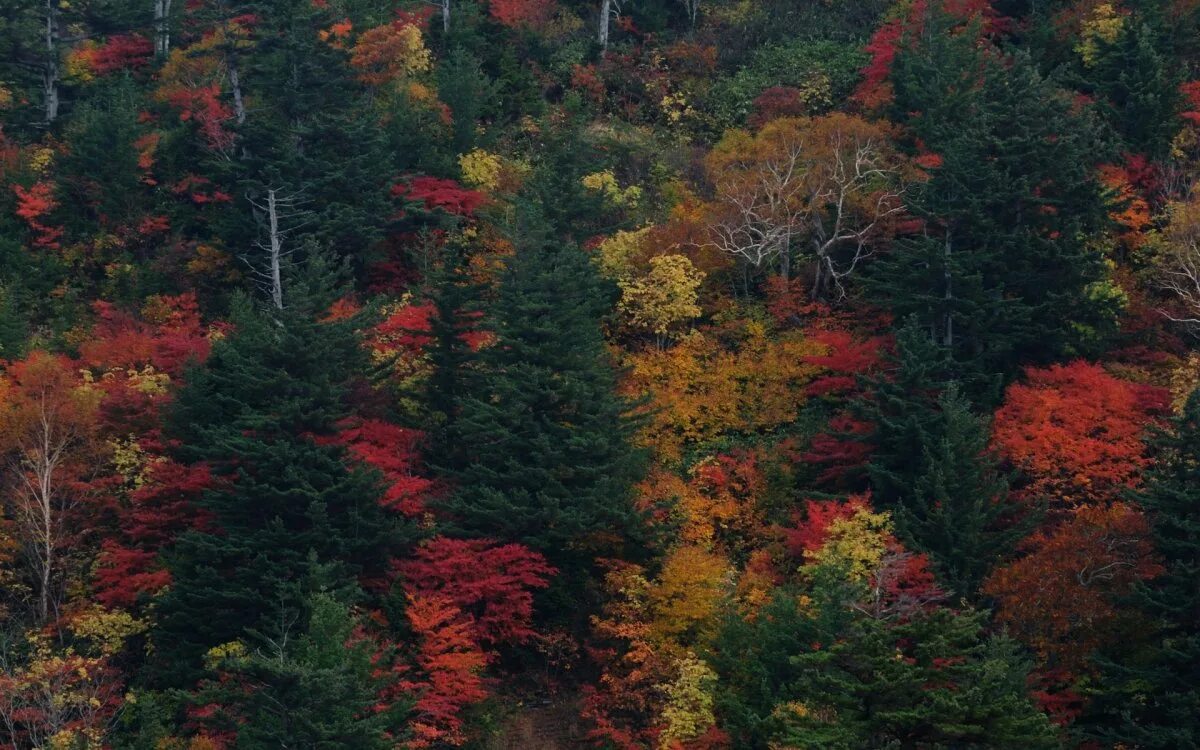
(692, 8)
(280, 216)
(609, 9)
(829, 185)
(162, 27)
(47, 427)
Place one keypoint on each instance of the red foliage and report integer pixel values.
(166, 336)
(1061, 597)
(120, 52)
(522, 14)
(403, 330)
(491, 583)
(847, 359)
(776, 102)
(1075, 432)
(812, 530)
(198, 190)
(158, 511)
(842, 450)
(395, 452)
(450, 662)
(438, 194)
(203, 105)
(33, 205)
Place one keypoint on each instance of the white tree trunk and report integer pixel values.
(50, 72)
(162, 27)
(276, 251)
(235, 83)
(605, 17)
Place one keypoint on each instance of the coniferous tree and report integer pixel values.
(902, 406)
(958, 511)
(1005, 273)
(317, 688)
(1153, 692)
(543, 452)
(256, 413)
(934, 680)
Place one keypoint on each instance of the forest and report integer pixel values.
(613, 374)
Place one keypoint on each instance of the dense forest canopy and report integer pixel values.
(626, 374)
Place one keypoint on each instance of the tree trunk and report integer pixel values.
(235, 83)
(162, 27)
(948, 334)
(445, 16)
(276, 251)
(50, 72)
(605, 14)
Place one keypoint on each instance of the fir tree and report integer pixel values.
(1005, 273)
(318, 688)
(902, 406)
(1153, 692)
(256, 413)
(542, 443)
(934, 680)
(958, 510)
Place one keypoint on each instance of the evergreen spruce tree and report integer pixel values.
(934, 680)
(284, 499)
(1139, 89)
(902, 406)
(318, 688)
(1005, 274)
(457, 301)
(958, 510)
(1150, 696)
(542, 442)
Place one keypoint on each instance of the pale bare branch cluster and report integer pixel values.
(808, 188)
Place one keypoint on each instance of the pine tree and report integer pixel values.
(543, 453)
(1150, 697)
(1004, 273)
(256, 413)
(958, 510)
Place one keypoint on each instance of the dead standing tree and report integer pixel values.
(279, 216)
(827, 187)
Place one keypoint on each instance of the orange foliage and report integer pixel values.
(33, 205)
(451, 663)
(1075, 432)
(701, 390)
(1060, 598)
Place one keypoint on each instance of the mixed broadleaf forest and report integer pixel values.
(614, 374)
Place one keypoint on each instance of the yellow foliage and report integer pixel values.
(226, 652)
(1104, 26)
(605, 183)
(481, 169)
(1184, 380)
(688, 712)
(107, 630)
(40, 159)
(700, 390)
(855, 544)
(616, 255)
(665, 296)
(687, 594)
